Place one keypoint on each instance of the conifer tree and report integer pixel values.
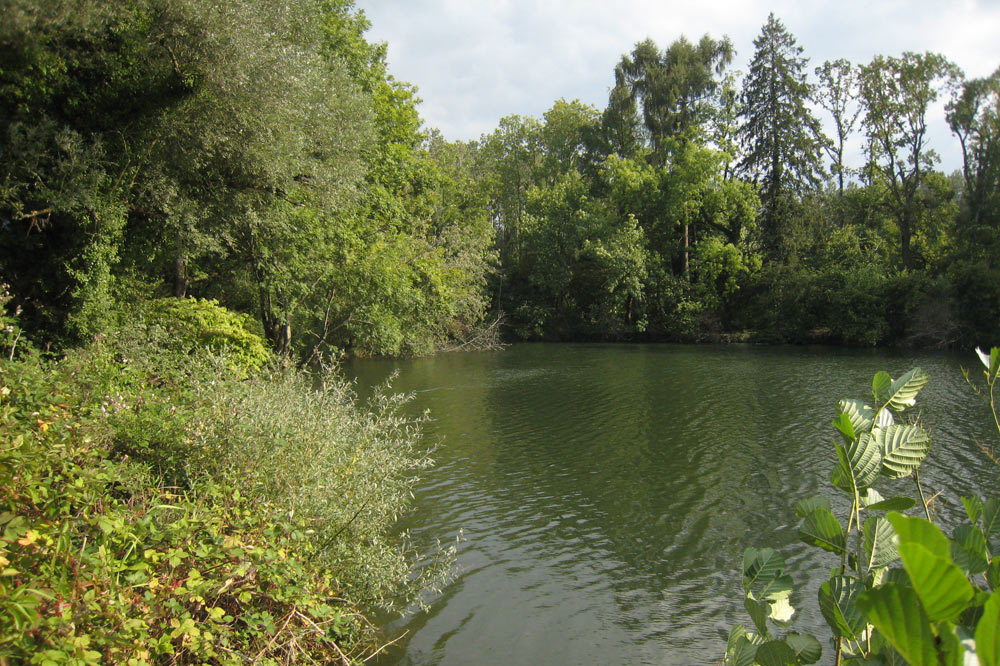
(780, 137)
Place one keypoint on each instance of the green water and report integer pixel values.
(605, 493)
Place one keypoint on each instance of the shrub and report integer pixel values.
(940, 607)
(155, 509)
(197, 323)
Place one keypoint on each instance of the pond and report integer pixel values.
(604, 493)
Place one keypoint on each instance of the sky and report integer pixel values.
(476, 61)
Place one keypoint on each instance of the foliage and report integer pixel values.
(781, 139)
(897, 94)
(157, 509)
(193, 323)
(938, 607)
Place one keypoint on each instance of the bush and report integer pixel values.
(158, 510)
(195, 323)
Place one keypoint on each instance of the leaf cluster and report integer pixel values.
(903, 591)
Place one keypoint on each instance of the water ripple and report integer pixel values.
(606, 493)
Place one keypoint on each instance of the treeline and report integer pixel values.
(264, 157)
(256, 154)
(698, 205)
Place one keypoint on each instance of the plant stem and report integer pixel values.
(840, 647)
(923, 500)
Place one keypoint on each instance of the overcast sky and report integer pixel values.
(475, 61)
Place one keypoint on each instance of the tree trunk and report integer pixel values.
(181, 279)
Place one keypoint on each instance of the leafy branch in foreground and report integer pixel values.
(938, 607)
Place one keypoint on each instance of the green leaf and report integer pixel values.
(903, 448)
(760, 569)
(806, 506)
(776, 653)
(969, 550)
(757, 611)
(926, 554)
(918, 530)
(941, 586)
(879, 543)
(993, 574)
(973, 508)
(903, 391)
(861, 415)
(822, 529)
(837, 602)
(897, 614)
(742, 653)
(988, 632)
(865, 454)
(893, 504)
(844, 425)
(806, 647)
(991, 516)
(881, 384)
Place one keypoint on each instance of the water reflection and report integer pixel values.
(606, 493)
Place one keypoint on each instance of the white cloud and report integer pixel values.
(475, 62)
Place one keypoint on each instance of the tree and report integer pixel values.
(974, 116)
(672, 91)
(897, 93)
(838, 94)
(780, 137)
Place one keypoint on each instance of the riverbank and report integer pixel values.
(172, 502)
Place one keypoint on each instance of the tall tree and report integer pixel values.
(838, 94)
(897, 92)
(780, 137)
(974, 116)
(673, 91)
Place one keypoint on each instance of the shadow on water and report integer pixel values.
(606, 492)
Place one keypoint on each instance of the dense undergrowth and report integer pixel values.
(163, 503)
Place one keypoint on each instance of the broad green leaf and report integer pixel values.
(844, 425)
(973, 508)
(903, 448)
(879, 543)
(893, 504)
(837, 602)
(969, 550)
(881, 384)
(988, 633)
(743, 652)
(991, 516)
(806, 506)
(865, 454)
(760, 569)
(776, 653)
(897, 614)
(861, 415)
(822, 529)
(926, 554)
(757, 611)
(806, 647)
(942, 587)
(884, 418)
(903, 391)
(917, 530)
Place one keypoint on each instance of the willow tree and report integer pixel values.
(780, 137)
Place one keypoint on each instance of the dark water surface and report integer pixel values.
(605, 493)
